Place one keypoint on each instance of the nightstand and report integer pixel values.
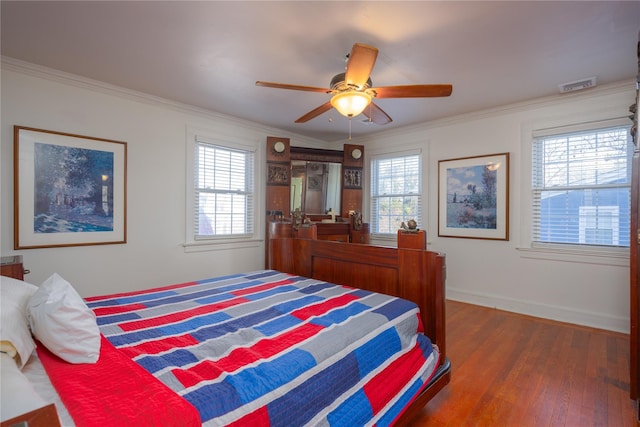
(11, 266)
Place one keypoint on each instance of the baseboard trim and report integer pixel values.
(545, 311)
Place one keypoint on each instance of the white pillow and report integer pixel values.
(17, 393)
(62, 322)
(15, 336)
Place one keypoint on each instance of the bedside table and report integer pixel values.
(11, 266)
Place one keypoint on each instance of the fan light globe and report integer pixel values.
(350, 103)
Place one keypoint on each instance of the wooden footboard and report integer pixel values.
(413, 274)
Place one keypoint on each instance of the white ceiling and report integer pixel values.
(210, 53)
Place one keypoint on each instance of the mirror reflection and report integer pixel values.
(315, 186)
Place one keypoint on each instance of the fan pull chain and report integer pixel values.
(349, 128)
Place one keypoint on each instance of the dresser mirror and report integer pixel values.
(316, 180)
(315, 186)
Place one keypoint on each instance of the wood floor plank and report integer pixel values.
(515, 370)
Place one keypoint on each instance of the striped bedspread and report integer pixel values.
(269, 348)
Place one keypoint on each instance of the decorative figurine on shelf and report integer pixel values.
(297, 218)
(410, 227)
(356, 220)
(333, 215)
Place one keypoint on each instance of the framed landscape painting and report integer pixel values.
(69, 190)
(473, 197)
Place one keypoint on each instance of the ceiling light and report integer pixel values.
(350, 103)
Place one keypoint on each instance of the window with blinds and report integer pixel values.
(581, 187)
(223, 192)
(396, 195)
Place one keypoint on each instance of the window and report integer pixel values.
(223, 193)
(581, 186)
(395, 192)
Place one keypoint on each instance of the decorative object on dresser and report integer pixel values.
(69, 190)
(356, 220)
(410, 227)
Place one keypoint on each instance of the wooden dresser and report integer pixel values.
(335, 231)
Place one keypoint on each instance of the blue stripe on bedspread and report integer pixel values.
(307, 359)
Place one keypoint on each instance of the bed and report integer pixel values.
(311, 340)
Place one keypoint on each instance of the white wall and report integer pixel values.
(589, 290)
(155, 133)
(492, 273)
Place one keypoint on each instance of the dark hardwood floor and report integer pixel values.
(515, 370)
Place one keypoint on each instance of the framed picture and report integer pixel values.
(69, 190)
(314, 182)
(278, 174)
(473, 197)
(353, 178)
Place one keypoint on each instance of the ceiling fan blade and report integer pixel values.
(413, 91)
(293, 87)
(376, 115)
(315, 113)
(361, 61)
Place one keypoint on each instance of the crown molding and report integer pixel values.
(51, 74)
(551, 100)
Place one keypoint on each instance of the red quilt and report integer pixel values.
(109, 392)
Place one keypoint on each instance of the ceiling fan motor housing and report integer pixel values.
(339, 84)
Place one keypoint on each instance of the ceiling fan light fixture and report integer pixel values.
(350, 103)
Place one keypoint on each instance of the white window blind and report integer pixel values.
(224, 191)
(396, 195)
(581, 186)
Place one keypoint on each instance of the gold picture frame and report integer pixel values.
(473, 197)
(69, 190)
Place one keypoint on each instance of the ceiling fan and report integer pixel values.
(353, 91)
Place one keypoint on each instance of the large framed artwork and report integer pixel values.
(69, 190)
(473, 197)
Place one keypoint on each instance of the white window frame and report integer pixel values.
(616, 256)
(195, 243)
(373, 196)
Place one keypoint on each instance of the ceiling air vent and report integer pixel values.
(577, 85)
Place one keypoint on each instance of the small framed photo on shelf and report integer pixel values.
(70, 190)
(473, 197)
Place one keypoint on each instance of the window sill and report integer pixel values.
(588, 255)
(220, 245)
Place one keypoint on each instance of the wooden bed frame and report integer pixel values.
(413, 274)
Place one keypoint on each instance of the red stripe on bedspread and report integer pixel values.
(263, 349)
(144, 291)
(182, 315)
(385, 384)
(106, 311)
(324, 307)
(116, 392)
(265, 287)
(158, 346)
